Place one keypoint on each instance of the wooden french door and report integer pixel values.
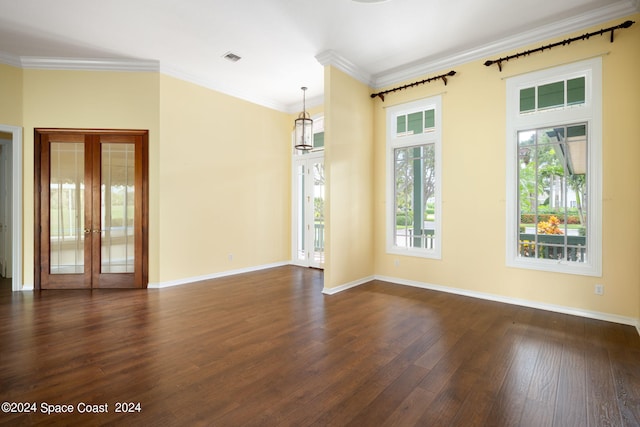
(91, 209)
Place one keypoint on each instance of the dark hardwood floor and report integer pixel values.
(5, 284)
(268, 348)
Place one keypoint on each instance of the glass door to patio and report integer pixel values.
(308, 215)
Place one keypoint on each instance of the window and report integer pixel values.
(318, 133)
(413, 178)
(554, 176)
(308, 197)
(557, 94)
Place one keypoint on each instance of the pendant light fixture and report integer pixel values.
(303, 127)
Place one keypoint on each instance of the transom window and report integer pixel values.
(413, 178)
(318, 133)
(415, 123)
(558, 94)
(554, 169)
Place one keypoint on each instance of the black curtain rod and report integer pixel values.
(499, 61)
(442, 77)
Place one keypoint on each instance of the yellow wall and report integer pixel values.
(349, 173)
(10, 95)
(220, 171)
(621, 147)
(219, 166)
(225, 167)
(474, 182)
(89, 99)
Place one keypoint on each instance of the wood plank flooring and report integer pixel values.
(269, 349)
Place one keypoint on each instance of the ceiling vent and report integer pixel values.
(231, 57)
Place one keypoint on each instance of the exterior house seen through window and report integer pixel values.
(413, 178)
(554, 169)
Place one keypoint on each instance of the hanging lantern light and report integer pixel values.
(303, 127)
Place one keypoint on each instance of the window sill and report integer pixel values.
(413, 252)
(551, 266)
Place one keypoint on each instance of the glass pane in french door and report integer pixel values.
(66, 211)
(117, 208)
(318, 212)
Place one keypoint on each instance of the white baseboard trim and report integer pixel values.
(491, 297)
(336, 289)
(517, 301)
(194, 279)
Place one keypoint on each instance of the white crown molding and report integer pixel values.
(428, 65)
(330, 57)
(9, 59)
(89, 64)
(420, 68)
(386, 78)
(137, 65)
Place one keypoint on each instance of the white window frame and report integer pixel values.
(394, 141)
(591, 113)
(304, 157)
(310, 255)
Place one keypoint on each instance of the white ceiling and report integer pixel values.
(283, 42)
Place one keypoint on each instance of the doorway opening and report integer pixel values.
(11, 205)
(308, 210)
